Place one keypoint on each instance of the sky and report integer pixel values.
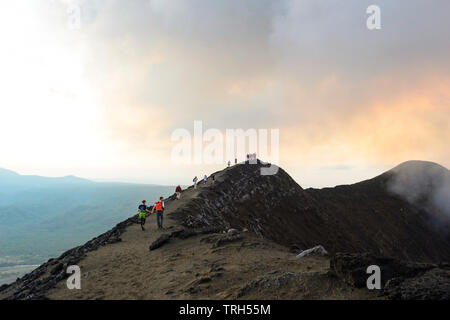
(100, 96)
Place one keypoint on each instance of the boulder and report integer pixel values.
(352, 268)
(57, 269)
(3, 287)
(165, 238)
(227, 239)
(434, 284)
(401, 280)
(315, 251)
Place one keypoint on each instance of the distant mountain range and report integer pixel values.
(11, 178)
(41, 217)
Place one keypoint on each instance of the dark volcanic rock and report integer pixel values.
(33, 285)
(202, 280)
(363, 217)
(352, 268)
(434, 284)
(195, 286)
(400, 279)
(182, 234)
(3, 287)
(444, 265)
(163, 239)
(227, 239)
(293, 248)
(187, 233)
(274, 279)
(58, 268)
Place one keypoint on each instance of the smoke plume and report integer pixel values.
(424, 184)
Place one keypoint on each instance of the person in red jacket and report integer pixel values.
(178, 191)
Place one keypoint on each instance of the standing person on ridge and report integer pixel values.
(229, 163)
(159, 206)
(205, 179)
(143, 210)
(195, 182)
(178, 191)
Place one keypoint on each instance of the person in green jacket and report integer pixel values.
(143, 210)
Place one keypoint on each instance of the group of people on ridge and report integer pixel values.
(205, 180)
(144, 210)
(250, 156)
(229, 162)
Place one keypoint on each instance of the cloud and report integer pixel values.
(338, 92)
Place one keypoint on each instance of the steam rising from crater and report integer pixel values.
(424, 184)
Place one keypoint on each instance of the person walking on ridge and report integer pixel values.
(143, 210)
(205, 179)
(178, 191)
(195, 182)
(159, 206)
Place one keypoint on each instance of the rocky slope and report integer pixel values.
(369, 222)
(362, 217)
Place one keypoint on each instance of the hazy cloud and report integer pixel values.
(339, 92)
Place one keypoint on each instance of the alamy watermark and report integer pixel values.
(74, 281)
(374, 20)
(73, 11)
(216, 147)
(374, 281)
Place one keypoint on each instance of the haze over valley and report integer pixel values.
(42, 217)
